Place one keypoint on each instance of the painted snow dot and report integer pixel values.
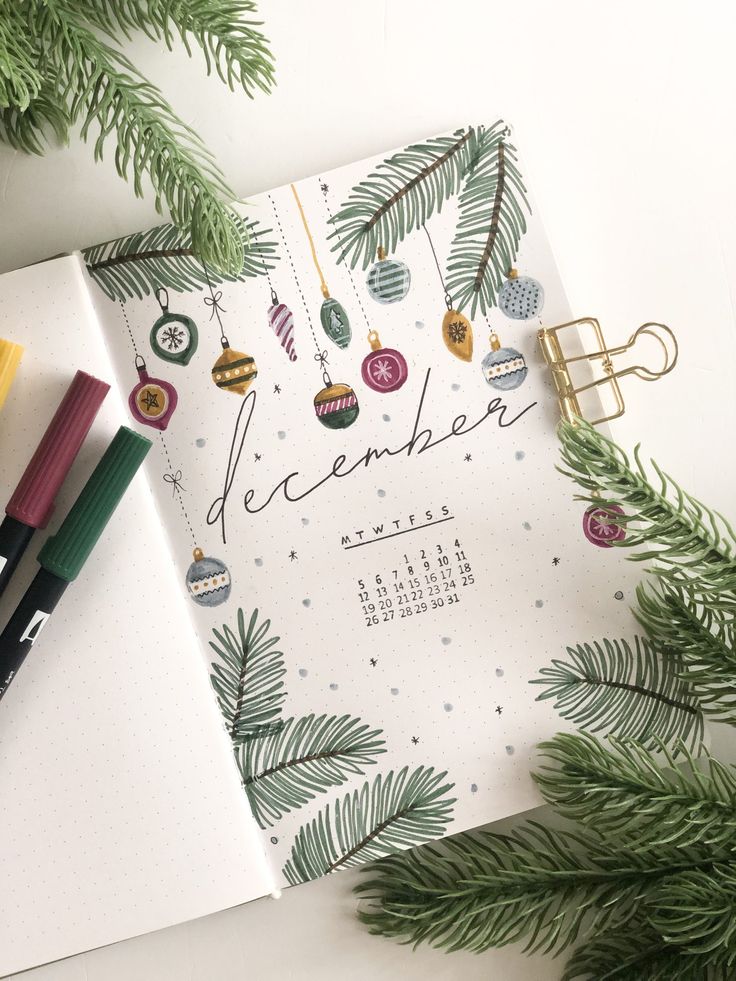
(200, 442)
(499, 672)
(386, 417)
(618, 595)
(539, 603)
(474, 788)
(419, 324)
(381, 493)
(305, 521)
(527, 526)
(394, 691)
(446, 641)
(510, 750)
(600, 527)
(447, 706)
(303, 672)
(274, 840)
(306, 602)
(333, 686)
(519, 455)
(281, 434)
(259, 562)
(455, 387)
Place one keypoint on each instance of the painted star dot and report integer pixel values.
(257, 457)
(499, 710)
(555, 561)
(415, 739)
(150, 399)
(292, 555)
(277, 389)
(374, 662)
(468, 457)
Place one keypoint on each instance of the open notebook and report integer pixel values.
(367, 553)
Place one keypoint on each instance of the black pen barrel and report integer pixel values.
(14, 538)
(29, 619)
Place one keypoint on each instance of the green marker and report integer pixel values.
(64, 554)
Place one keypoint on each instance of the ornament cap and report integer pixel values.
(374, 340)
(198, 554)
(495, 343)
(140, 366)
(225, 343)
(512, 273)
(162, 295)
(381, 253)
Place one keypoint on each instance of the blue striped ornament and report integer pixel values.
(503, 368)
(388, 280)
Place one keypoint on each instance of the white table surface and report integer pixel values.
(624, 117)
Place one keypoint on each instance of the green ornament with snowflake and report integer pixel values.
(174, 336)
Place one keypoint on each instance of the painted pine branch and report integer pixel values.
(247, 677)
(301, 758)
(402, 194)
(644, 798)
(630, 692)
(136, 265)
(702, 637)
(395, 811)
(690, 545)
(491, 222)
(544, 888)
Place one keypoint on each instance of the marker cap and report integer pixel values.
(33, 499)
(65, 553)
(10, 355)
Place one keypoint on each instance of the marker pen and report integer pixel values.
(10, 355)
(63, 555)
(32, 502)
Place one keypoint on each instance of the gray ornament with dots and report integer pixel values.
(521, 297)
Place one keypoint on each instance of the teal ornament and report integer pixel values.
(521, 297)
(335, 322)
(388, 280)
(503, 368)
(174, 336)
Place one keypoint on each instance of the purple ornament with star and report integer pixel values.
(384, 369)
(600, 527)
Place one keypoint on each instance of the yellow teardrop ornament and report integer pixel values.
(457, 333)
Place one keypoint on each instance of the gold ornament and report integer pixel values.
(457, 333)
(233, 371)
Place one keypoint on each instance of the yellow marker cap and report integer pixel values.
(10, 355)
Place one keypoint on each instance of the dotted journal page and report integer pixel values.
(356, 471)
(120, 805)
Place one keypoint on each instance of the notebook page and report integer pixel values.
(120, 805)
(419, 561)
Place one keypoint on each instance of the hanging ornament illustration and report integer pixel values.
(600, 525)
(234, 371)
(152, 400)
(384, 369)
(503, 367)
(332, 315)
(520, 297)
(208, 580)
(281, 322)
(388, 280)
(457, 331)
(174, 336)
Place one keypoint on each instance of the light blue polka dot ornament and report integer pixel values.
(388, 280)
(503, 368)
(520, 297)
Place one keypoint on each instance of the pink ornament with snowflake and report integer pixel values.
(600, 527)
(384, 369)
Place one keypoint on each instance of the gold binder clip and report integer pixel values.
(560, 366)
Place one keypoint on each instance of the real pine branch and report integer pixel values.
(689, 544)
(537, 886)
(224, 29)
(31, 128)
(20, 77)
(635, 692)
(696, 910)
(643, 798)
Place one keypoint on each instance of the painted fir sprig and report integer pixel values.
(630, 691)
(283, 770)
(139, 264)
(397, 810)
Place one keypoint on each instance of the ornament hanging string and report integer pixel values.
(174, 478)
(325, 189)
(213, 301)
(323, 284)
(130, 332)
(321, 355)
(448, 298)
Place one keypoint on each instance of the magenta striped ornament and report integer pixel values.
(281, 322)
